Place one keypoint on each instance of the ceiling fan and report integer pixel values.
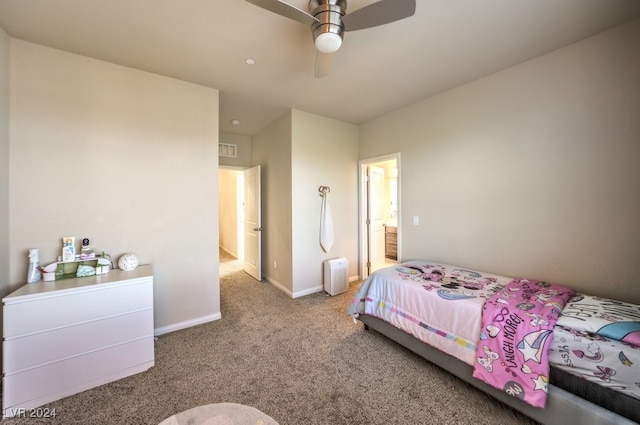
(328, 21)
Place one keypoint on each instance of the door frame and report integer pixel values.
(362, 209)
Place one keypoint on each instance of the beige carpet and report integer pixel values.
(299, 361)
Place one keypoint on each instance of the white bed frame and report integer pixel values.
(562, 406)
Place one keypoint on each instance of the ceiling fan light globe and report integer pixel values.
(328, 42)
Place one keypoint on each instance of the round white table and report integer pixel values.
(220, 414)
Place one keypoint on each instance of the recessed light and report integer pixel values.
(250, 61)
(235, 122)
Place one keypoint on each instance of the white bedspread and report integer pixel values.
(448, 317)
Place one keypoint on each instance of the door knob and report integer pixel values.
(257, 229)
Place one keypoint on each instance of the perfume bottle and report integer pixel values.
(86, 253)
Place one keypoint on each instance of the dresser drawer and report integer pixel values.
(55, 345)
(35, 387)
(52, 312)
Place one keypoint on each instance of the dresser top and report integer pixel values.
(42, 288)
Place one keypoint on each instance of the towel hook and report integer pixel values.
(324, 190)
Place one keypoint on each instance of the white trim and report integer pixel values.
(187, 324)
(309, 291)
(306, 292)
(277, 285)
(233, 254)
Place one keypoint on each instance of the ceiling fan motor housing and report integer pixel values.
(329, 14)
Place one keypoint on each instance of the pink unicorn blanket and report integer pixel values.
(517, 329)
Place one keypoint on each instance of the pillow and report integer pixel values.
(602, 316)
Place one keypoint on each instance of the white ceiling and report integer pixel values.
(445, 44)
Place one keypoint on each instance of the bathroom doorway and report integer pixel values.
(379, 218)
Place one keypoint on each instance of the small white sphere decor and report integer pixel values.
(128, 262)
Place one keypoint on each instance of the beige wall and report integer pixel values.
(532, 171)
(4, 163)
(298, 153)
(272, 151)
(324, 153)
(124, 157)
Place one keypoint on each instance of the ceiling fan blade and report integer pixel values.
(323, 64)
(286, 10)
(379, 13)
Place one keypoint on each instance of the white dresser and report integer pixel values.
(67, 336)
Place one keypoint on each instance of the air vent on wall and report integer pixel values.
(228, 150)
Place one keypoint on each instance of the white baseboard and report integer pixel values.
(278, 285)
(305, 292)
(187, 324)
(308, 291)
(294, 294)
(233, 254)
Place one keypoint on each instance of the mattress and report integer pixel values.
(602, 361)
(598, 340)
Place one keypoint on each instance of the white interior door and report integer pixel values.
(376, 217)
(253, 223)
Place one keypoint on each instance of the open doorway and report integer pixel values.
(379, 218)
(240, 222)
(231, 219)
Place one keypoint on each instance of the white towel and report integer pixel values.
(326, 225)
